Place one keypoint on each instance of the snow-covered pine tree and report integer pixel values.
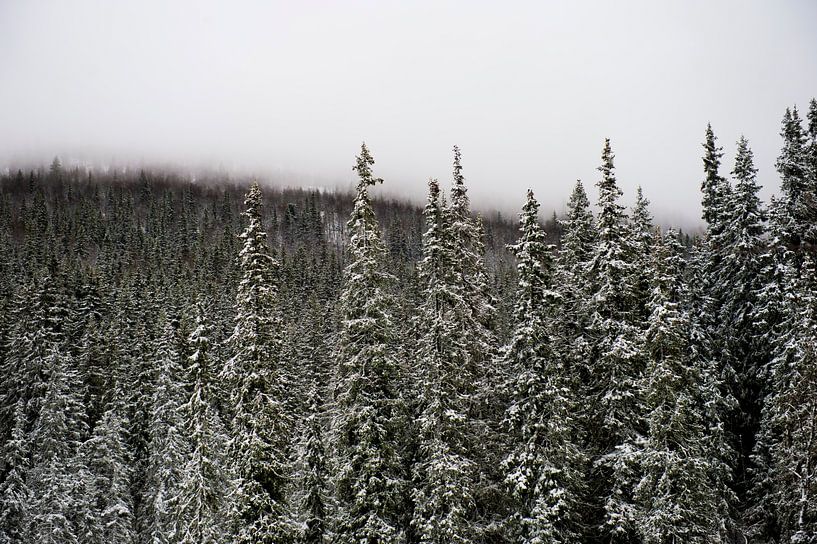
(812, 144)
(798, 192)
(675, 498)
(642, 233)
(206, 485)
(55, 467)
(15, 495)
(313, 488)
(468, 261)
(544, 470)
(108, 506)
(261, 419)
(783, 459)
(477, 326)
(786, 453)
(743, 244)
(707, 294)
(369, 413)
(717, 401)
(167, 445)
(577, 244)
(444, 473)
(715, 188)
(39, 310)
(614, 331)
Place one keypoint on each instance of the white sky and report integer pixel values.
(528, 90)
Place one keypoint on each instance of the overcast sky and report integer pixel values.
(528, 90)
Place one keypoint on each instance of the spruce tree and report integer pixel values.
(167, 446)
(786, 453)
(15, 494)
(544, 467)
(55, 469)
(614, 331)
(675, 498)
(445, 472)
(715, 188)
(313, 481)
(261, 418)
(109, 508)
(642, 235)
(741, 270)
(206, 484)
(798, 200)
(369, 413)
(577, 245)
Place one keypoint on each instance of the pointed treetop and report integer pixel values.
(607, 168)
(744, 161)
(578, 198)
(812, 118)
(365, 161)
(611, 212)
(458, 177)
(641, 211)
(713, 182)
(459, 192)
(253, 200)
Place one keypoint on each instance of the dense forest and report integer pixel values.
(212, 361)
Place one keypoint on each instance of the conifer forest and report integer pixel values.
(211, 361)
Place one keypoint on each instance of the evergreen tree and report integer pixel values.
(261, 419)
(206, 484)
(55, 469)
(445, 472)
(715, 188)
(573, 261)
(614, 329)
(642, 227)
(544, 468)
(369, 474)
(109, 514)
(675, 497)
(15, 495)
(313, 484)
(783, 459)
(798, 200)
(168, 447)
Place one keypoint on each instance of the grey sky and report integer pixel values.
(528, 90)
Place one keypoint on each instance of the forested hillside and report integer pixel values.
(190, 361)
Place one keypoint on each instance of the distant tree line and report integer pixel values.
(188, 362)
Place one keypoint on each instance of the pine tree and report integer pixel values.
(167, 446)
(717, 401)
(369, 474)
(445, 472)
(15, 495)
(786, 453)
(206, 484)
(544, 468)
(56, 437)
(675, 497)
(468, 262)
(783, 459)
(743, 240)
(715, 188)
(313, 482)
(799, 200)
(573, 261)
(109, 508)
(642, 227)
(614, 330)
(261, 419)
(478, 326)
